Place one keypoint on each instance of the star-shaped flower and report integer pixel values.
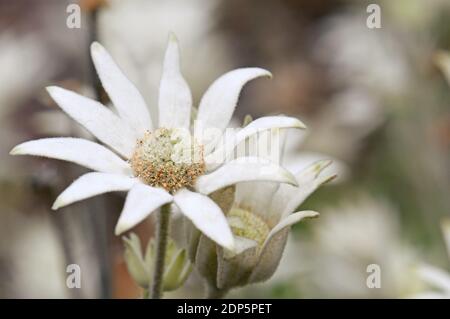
(172, 162)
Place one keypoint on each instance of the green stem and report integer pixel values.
(146, 294)
(213, 292)
(162, 234)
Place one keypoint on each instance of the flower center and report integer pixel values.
(249, 225)
(168, 158)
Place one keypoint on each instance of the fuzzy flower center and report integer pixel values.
(249, 225)
(168, 158)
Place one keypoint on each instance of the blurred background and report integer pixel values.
(374, 100)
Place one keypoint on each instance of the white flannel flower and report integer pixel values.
(260, 215)
(150, 162)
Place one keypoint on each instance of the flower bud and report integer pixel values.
(136, 265)
(260, 215)
(177, 265)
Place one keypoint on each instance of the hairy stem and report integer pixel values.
(162, 234)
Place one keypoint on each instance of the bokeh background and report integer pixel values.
(374, 100)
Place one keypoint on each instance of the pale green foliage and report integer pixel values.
(140, 266)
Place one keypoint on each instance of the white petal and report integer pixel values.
(307, 185)
(233, 267)
(97, 119)
(242, 244)
(175, 99)
(243, 169)
(76, 150)
(204, 255)
(291, 220)
(223, 153)
(206, 216)
(218, 103)
(267, 144)
(93, 184)
(269, 257)
(288, 198)
(273, 248)
(125, 96)
(435, 277)
(142, 200)
(55, 123)
(297, 161)
(257, 195)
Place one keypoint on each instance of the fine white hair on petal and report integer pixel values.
(306, 188)
(175, 99)
(288, 198)
(296, 162)
(273, 247)
(142, 200)
(257, 195)
(243, 169)
(241, 245)
(93, 184)
(219, 101)
(75, 150)
(206, 216)
(262, 124)
(125, 96)
(291, 220)
(97, 119)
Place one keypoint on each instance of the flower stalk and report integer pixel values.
(162, 234)
(213, 292)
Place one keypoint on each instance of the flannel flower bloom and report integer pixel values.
(260, 215)
(157, 165)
